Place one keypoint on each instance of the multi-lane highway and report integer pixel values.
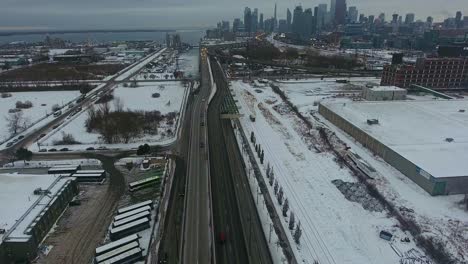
(196, 238)
(234, 209)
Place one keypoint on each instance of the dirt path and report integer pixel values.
(82, 228)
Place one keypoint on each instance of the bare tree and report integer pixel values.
(118, 104)
(16, 122)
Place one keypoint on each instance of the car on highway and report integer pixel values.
(222, 237)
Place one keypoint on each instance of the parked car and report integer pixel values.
(64, 149)
(20, 137)
(43, 150)
(52, 150)
(90, 148)
(9, 144)
(102, 148)
(42, 135)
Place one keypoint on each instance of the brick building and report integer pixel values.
(428, 72)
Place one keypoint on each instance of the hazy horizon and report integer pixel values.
(17, 15)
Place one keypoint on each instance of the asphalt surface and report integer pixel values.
(31, 138)
(234, 209)
(196, 237)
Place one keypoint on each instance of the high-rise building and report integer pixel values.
(288, 19)
(409, 18)
(352, 14)
(282, 26)
(458, 19)
(248, 20)
(394, 18)
(340, 12)
(225, 26)
(382, 17)
(321, 17)
(332, 10)
(236, 25)
(371, 19)
(254, 20)
(298, 22)
(307, 30)
(260, 22)
(429, 20)
(275, 21)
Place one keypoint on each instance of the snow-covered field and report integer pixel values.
(171, 98)
(335, 230)
(42, 105)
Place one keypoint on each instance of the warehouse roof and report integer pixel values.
(431, 134)
(19, 206)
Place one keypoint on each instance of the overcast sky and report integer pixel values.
(110, 14)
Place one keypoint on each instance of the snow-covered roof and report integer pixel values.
(387, 88)
(19, 206)
(417, 130)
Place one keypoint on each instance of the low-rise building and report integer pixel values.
(383, 93)
(424, 140)
(29, 207)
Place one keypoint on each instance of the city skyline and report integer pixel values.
(54, 14)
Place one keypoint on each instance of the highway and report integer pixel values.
(196, 235)
(234, 209)
(31, 138)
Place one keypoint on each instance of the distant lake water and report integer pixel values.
(188, 36)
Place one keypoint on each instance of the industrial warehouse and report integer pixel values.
(30, 205)
(425, 140)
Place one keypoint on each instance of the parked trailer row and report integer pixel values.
(132, 218)
(133, 212)
(89, 177)
(130, 228)
(116, 244)
(90, 171)
(116, 252)
(64, 169)
(130, 256)
(148, 182)
(135, 206)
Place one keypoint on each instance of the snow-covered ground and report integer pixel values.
(335, 230)
(171, 99)
(42, 105)
(441, 216)
(188, 63)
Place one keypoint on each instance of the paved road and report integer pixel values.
(196, 242)
(32, 137)
(234, 207)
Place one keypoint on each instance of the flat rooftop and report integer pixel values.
(19, 206)
(417, 130)
(387, 88)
